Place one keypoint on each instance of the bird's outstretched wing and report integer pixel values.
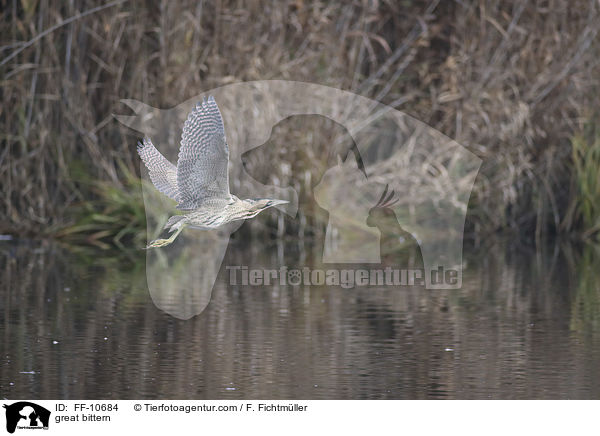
(163, 173)
(203, 157)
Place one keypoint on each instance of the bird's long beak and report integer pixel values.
(277, 202)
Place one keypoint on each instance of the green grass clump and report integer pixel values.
(586, 174)
(114, 217)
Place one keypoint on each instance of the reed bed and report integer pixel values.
(514, 82)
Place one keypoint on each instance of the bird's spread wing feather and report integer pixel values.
(203, 157)
(162, 172)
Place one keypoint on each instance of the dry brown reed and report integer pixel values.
(512, 81)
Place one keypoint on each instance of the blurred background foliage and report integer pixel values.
(514, 82)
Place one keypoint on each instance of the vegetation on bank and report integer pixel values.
(113, 217)
(515, 82)
(585, 171)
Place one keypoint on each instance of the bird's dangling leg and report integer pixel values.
(164, 242)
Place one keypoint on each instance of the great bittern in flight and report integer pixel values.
(200, 182)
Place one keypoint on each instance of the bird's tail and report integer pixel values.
(175, 222)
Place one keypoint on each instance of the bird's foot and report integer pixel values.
(159, 243)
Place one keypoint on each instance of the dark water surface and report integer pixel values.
(81, 325)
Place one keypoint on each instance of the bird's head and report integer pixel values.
(257, 205)
(264, 203)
